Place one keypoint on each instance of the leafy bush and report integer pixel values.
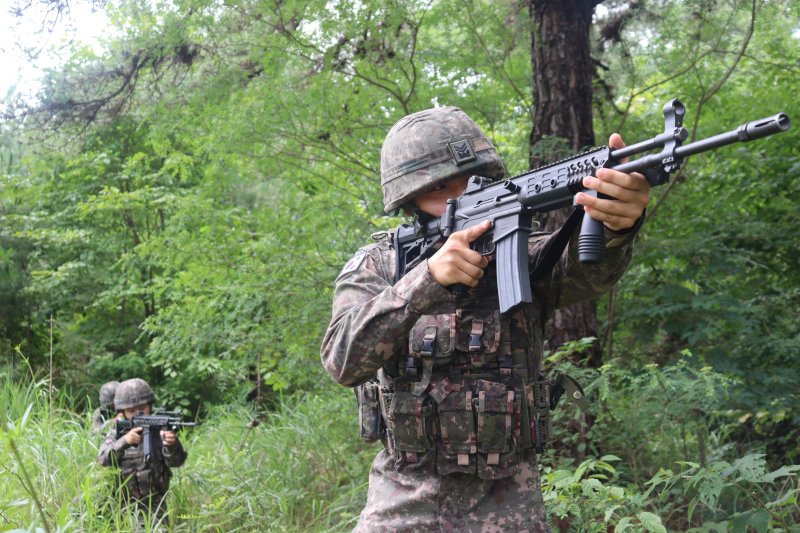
(742, 495)
(588, 499)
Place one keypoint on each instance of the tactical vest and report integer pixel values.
(467, 390)
(140, 480)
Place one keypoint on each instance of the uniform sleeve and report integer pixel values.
(572, 281)
(175, 455)
(371, 316)
(112, 449)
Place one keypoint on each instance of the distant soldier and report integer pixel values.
(105, 413)
(144, 482)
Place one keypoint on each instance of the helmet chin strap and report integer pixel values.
(418, 214)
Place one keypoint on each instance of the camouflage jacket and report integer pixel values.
(372, 316)
(141, 480)
(457, 378)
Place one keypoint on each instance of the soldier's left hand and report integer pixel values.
(168, 438)
(629, 193)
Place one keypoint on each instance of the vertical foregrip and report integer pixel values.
(513, 281)
(591, 242)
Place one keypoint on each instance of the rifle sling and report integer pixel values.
(555, 246)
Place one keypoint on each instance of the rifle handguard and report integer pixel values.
(510, 205)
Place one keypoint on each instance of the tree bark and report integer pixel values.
(562, 91)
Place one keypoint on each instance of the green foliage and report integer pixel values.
(676, 407)
(587, 499)
(678, 410)
(739, 496)
(181, 203)
(300, 470)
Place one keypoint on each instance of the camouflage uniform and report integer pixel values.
(459, 456)
(377, 325)
(143, 484)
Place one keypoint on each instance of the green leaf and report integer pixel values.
(790, 498)
(786, 470)
(609, 513)
(760, 521)
(740, 522)
(623, 525)
(651, 522)
(590, 486)
(690, 510)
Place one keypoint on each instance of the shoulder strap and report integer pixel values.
(555, 246)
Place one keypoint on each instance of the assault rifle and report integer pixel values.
(510, 204)
(151, 432)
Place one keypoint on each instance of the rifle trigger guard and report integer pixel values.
(484, 244)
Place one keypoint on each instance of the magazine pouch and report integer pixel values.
(370, 418)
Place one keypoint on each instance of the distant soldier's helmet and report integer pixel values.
(107, 392)
(427, 148)
(132, 393)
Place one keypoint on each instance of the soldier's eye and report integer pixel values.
(439, 187)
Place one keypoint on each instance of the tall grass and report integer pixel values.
(299, 469)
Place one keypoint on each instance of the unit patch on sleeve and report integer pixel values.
(354, 262)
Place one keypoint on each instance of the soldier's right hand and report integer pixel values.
(455, 262)
(134, 436)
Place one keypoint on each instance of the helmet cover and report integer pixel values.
(429, 147)
(132, 393)
(107, 392)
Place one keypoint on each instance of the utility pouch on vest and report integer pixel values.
(478, 335)
(409, 421)
(540, 424)
(428, 338)
(495, 407)
(453, 397)
(369, 411)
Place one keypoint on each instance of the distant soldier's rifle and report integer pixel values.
(152, 425)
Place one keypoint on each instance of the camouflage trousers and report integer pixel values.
(417, 499)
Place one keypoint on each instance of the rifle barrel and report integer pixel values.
(749, 131)
(755, 129)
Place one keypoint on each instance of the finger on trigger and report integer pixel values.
(476, 231)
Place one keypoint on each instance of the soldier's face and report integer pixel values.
(133, 411)
(434, 201)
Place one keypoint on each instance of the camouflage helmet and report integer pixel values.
(107, 392)
(428, 147)
(132, 393)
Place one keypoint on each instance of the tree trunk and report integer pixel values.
(562, 90)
